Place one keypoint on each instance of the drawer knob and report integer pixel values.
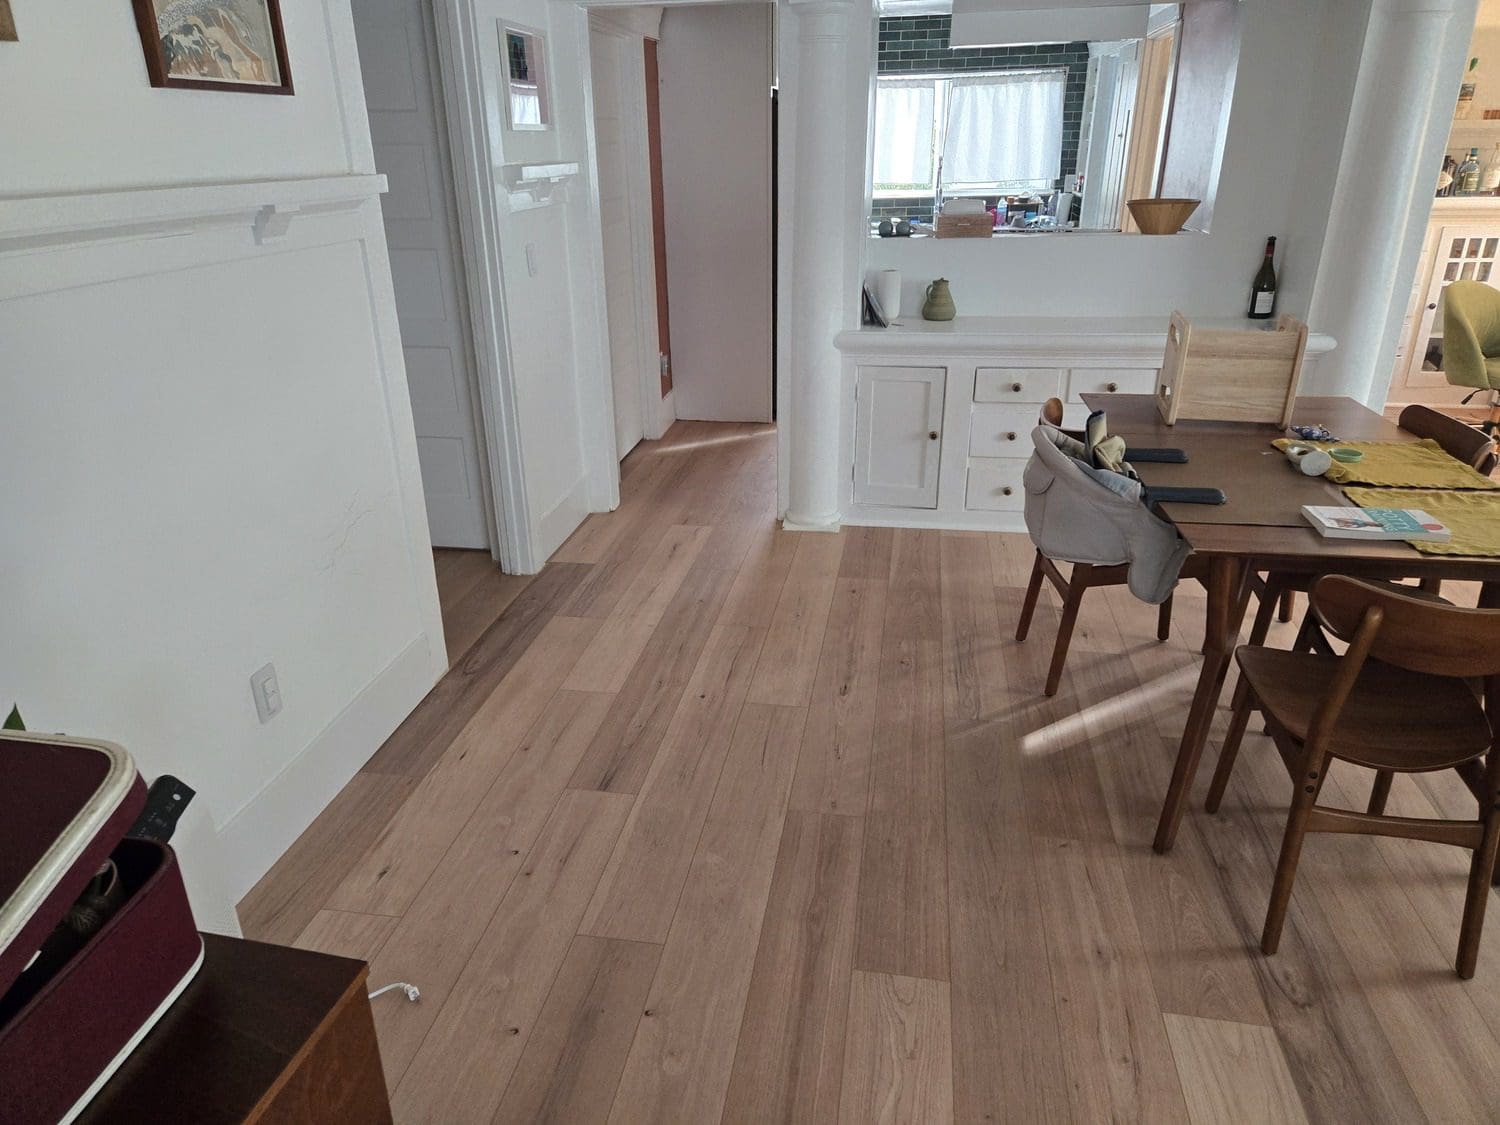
(932, 435)
(1011, 436)
(1006, 491)
(1113, 387)
(1015, 388)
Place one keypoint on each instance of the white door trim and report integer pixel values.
(654, 422)
(463, 85)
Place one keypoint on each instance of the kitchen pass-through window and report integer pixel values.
(972, 133)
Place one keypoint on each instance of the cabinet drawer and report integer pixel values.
(995, 485)
(1017, 384)
(1111, 380)
(1002, 431)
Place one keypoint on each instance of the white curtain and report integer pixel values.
(1005, 129)
(905, 114)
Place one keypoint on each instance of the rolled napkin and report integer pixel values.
(1311, 460)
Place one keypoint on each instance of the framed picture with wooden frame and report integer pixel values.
(234, 45)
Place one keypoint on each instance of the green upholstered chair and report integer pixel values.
(1471, 341)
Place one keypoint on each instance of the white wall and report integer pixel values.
(206, 439)
(80, 114)
(1285, 82)
(716, 179)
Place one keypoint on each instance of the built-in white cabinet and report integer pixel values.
(898, 435)
(1462, 244)
(937, 421)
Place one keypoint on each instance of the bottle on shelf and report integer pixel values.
(1446, 176)
(1467, 180)
(1466, 92)
(1489, 176)
(1263, 288)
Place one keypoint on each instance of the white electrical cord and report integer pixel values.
(412, 992)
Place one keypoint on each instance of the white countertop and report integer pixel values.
(1020, 335)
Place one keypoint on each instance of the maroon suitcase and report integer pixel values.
(67, 1020)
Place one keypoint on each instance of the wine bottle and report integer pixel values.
(1263, 288)
(1468, 174)
(1489, 175)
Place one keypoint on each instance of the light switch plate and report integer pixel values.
(267, 693)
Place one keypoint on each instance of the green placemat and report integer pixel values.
(1400, 464)
(1473, 517)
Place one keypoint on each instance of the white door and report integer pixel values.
(898, 435)
(1115, 76)
(409, 130)
(615, 65)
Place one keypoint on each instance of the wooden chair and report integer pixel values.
(1397, 701)
(1466, 443)
(1081, 578)
(1459, 440)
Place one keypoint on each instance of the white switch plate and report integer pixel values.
(267, 693)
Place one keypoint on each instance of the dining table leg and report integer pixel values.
(1225, 581)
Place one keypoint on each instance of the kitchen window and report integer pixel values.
(988, 133)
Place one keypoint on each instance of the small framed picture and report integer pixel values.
(525, 55)
(215, 45)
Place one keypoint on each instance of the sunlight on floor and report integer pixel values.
(705, 443)
(1108, 714)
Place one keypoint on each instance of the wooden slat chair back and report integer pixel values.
(1466, 443)
(1398, 700)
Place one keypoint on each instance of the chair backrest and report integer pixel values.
(1470, 445)
(1471, 333)
(1415, 633)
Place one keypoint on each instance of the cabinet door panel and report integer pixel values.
(898, 435)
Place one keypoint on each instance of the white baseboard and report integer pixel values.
(263, 829)
(554, 528)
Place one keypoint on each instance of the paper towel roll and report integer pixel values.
(888, 292)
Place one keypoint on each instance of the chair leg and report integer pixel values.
(1303, 798)
(1268, 603)
(1077, 584)
(1432, 586)
(1244, 703)
(1379, 791)
(1164, 620)
(1288, 606)
(1033, 590)
(1481, 874)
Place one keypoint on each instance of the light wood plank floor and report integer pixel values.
(715, 822)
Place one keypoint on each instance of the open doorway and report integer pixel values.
(683, 134)
(409, 134)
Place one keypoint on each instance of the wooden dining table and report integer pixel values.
(1260, 527)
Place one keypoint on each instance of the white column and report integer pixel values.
(819, 272)
(1384, 188)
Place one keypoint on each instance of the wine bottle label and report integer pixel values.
(1264, 301)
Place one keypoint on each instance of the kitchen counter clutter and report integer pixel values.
(937, 416)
